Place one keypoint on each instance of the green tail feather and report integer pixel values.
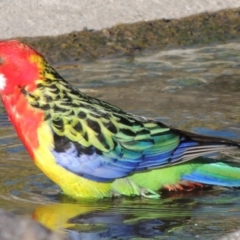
(218, 173)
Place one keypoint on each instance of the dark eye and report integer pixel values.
(1, 60)
(23, 90)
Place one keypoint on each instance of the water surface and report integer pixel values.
(193, 89)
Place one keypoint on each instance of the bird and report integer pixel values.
(93, 149)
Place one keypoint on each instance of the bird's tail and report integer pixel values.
(215, 173)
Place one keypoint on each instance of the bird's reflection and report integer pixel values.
(127, 218)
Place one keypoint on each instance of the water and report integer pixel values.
(194, 89)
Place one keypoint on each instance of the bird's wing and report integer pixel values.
(100, 142)
(103, 145)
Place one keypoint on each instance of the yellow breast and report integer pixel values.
(71, 184)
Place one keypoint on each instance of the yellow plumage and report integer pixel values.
(71, 184)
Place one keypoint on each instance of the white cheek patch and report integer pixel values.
(2, 81)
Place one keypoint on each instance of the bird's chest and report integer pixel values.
(25, 119)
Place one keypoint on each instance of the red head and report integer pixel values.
(19, 66)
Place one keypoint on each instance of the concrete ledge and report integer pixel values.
(49, 18)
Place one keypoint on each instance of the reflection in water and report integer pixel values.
(104, 220)
(128, 218)
(195, 89)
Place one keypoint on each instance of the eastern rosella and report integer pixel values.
(93, 149)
